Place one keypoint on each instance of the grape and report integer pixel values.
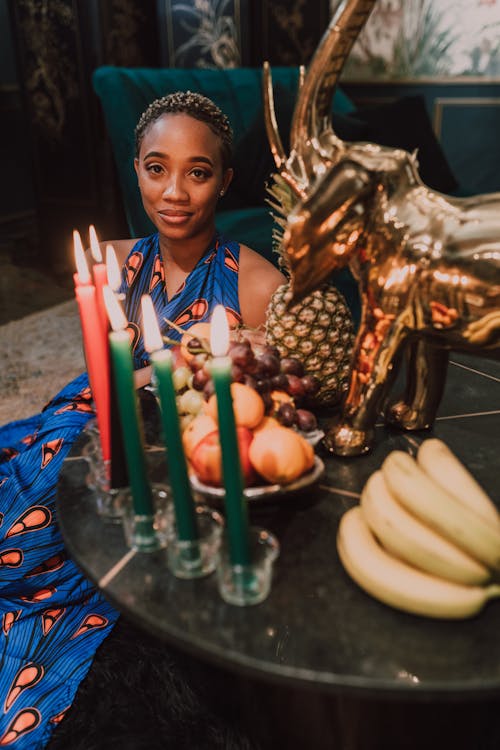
(209, 389)
(180, 377)
(196, 345)
(237, 373)
(198, 361)
(263, 386)
(250, 381)
(200, 379)
(242, 355)
(272, 350)
(292, 366)
(286, 414)
(268, 365)
(311, 384)
(190, 402)
(306, 421)
(279, 382)
(295, 386)
(268, 402)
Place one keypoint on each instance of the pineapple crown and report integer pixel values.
(281, 199)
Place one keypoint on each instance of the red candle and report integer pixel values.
(100, 275)
(94, 344)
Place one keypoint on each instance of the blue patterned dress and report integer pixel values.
(51, 618)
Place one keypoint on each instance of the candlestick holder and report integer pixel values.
(108, 499)
(147, 533)
(248, 584)
(198, 557)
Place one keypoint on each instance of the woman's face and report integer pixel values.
(180, 176)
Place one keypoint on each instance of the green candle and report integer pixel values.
(235, 505)
(128, 408)
(161, 359)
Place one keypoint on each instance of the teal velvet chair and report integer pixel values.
(124, 93)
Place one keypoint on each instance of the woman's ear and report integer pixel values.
(136, 166)
(226, 180)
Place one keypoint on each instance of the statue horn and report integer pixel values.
(312, 113)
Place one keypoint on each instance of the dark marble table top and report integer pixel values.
(317, 628)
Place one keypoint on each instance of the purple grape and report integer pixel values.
(306, 420)
(286, 414)
(311, 384)
(242, 355)
(200, 379)
(295, 387)
(209, 389)
(279, 382)
(292, 366)
(263, 385)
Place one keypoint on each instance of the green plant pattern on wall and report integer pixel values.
(427, 38)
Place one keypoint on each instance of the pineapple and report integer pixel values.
(319, 329)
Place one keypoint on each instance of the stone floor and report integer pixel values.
(25, 289)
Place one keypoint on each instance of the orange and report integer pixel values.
(200, 331)
(278, 455)
(247, 405)
(196, 430)
(265, 424)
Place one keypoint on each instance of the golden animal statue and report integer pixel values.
(427, 265)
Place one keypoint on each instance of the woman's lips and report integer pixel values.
(174, 217)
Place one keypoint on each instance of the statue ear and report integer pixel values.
(342, 184)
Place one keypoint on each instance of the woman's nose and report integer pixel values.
(174, 188)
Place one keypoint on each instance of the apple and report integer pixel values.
(206, 457)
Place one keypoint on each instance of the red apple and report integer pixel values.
(206, 457)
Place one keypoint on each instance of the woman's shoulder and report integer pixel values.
(251, 261)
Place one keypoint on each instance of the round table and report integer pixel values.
(317, 629)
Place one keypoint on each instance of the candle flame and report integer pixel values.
(113, 268)
(94, 245)
(115, 312)
(219, 332)
(82, 268)
(150, 328)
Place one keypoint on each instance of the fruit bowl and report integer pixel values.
(263, 492)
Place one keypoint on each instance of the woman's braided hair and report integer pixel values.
(195, 105)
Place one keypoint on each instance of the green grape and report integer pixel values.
(181, 376)
(190, 402)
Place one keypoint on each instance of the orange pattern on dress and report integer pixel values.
(50, 449)
(91, 622)
(9, 619)
(26, 677)
(11, 558)
(158, 275)
(25, 721)
(48, 566)
(33, 519)
(193, 312)
(50, 617)
(39, 595)
(230, 261)
(133, 266)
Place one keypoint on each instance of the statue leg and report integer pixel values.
(426, 377)
(375, 358)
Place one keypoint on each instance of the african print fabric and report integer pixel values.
(51, 618)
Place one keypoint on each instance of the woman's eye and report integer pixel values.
(199, 173)
(154, 168)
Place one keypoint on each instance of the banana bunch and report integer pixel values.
(425, 538)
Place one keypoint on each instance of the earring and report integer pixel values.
(221, 193)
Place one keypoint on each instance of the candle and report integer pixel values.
(94, 344)
(161, 360)
(100, 276)
(119, 474)
(128, 407)
(236, 510)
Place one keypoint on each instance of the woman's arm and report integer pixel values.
(257, 281)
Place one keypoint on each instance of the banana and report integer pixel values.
(443, 512)
(406, 537)
(438, 461)
(399, 585)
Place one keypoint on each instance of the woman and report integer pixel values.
(52, 620)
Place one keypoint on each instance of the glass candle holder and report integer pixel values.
(108, 499)
(197, 558)
(248, 584)
(137, 528)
